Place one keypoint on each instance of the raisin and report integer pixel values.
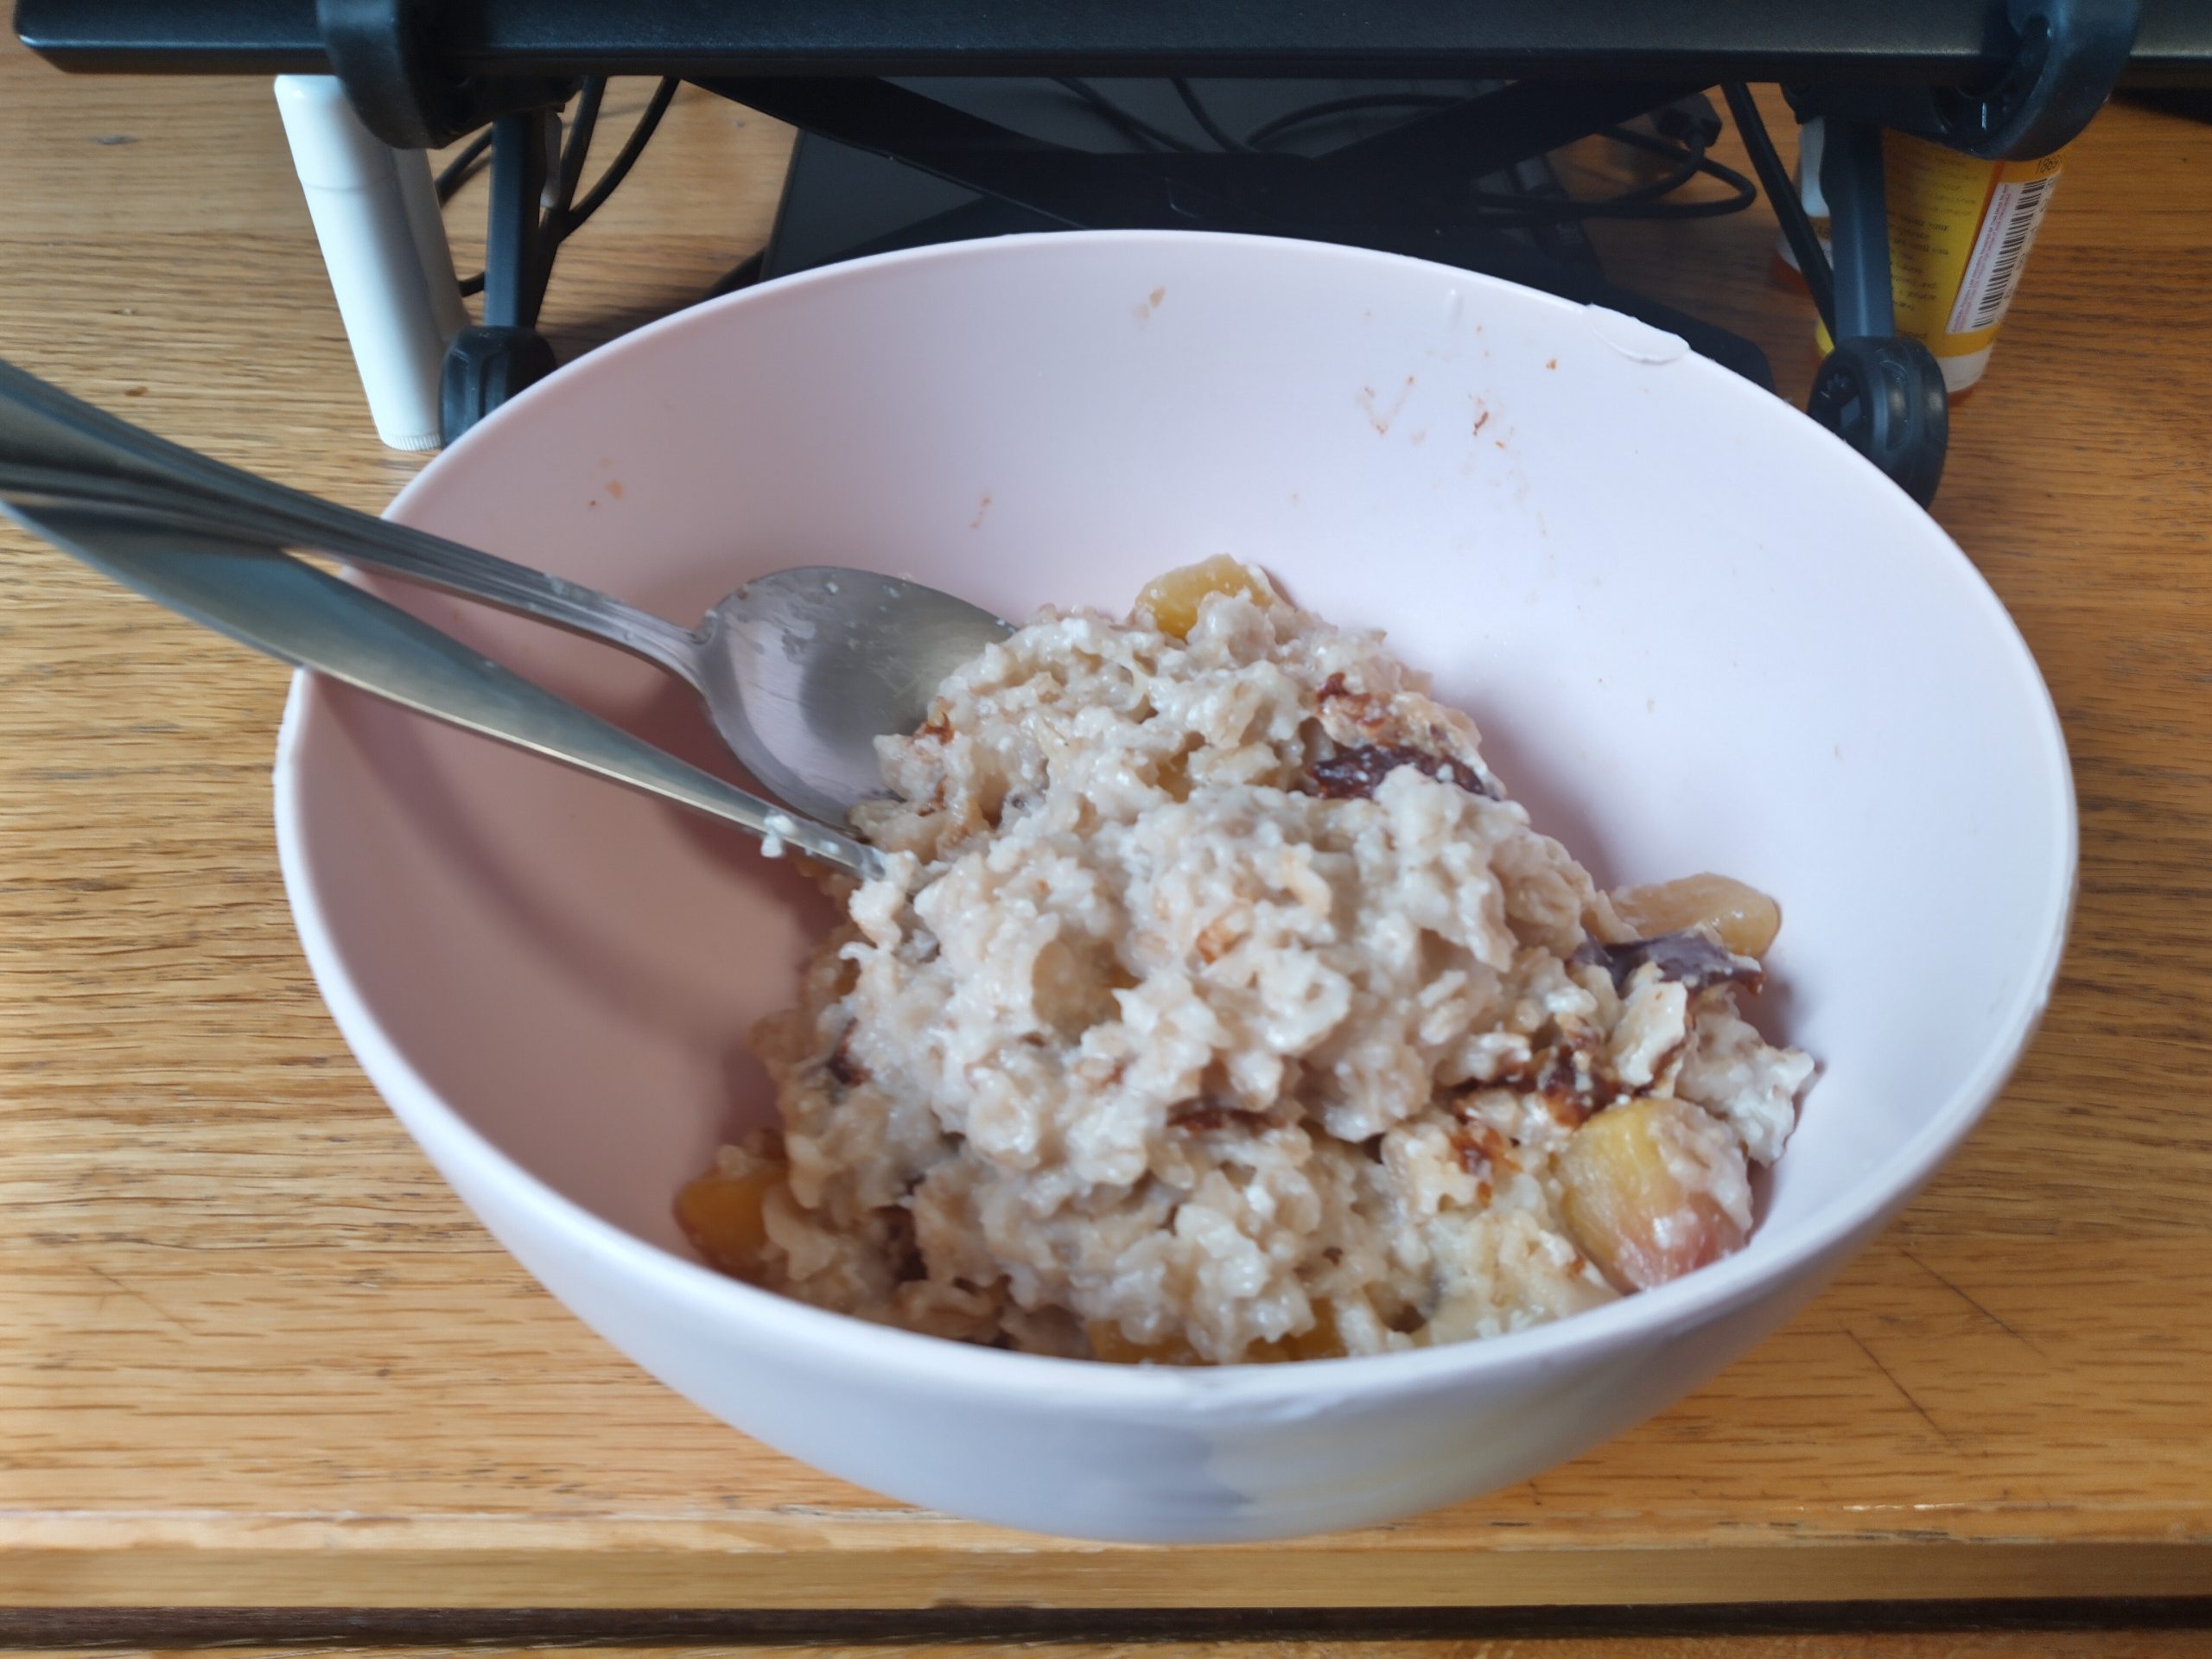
(1692, 957)
(1206, 1114)
(844, 1070)
(900, 1248)
(1572, 1081)
(1357, 773)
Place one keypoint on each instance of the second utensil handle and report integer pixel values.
(266, 599)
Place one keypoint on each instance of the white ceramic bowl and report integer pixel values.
(1698, 632)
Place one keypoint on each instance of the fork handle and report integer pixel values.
(264, 598)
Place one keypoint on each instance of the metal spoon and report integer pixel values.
(801, 670)
(263, 597)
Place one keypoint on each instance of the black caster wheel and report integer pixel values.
(1885, 398)
(484, 368)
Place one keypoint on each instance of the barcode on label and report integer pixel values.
(1993, 269)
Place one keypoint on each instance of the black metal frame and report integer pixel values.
(1995, 78)
(1922, 44)
(1411, 175)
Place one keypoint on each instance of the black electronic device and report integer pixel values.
(969, 117)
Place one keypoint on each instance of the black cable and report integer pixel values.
(1742, 193)
(577, 143)
(1647, 140)
(561, 220)
(1691, 165)
(1126, 122)
(568, 167)
(1641, 201)
(1267, 133)
(1689, 161)
(456, 172)
(1221, 136)
(625, 159)
(1789, 206)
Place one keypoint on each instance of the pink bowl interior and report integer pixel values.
(1697, 632)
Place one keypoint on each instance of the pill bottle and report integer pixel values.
(1960, 231)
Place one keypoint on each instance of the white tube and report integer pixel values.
(427, 221)
(355, 197)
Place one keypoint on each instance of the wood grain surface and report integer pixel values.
(1945, 1644)
(253, 1353)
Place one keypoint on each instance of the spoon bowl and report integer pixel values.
(803, 670)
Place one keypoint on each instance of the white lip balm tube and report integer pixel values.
(376, 217)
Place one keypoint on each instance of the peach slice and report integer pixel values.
(1645, 1185)
(1173, 599)
(720, 1215)
(1746, 918)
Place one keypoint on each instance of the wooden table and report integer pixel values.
(254, 1356)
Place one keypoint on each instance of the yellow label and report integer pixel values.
(1958, 235)
(1959, 229)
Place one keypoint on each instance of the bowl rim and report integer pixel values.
(1145, 1391)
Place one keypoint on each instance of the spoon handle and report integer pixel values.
(264, 598)
(56, 448)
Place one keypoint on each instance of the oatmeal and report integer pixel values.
(1220, 1006)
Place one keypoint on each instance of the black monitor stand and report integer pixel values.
(841, 202)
